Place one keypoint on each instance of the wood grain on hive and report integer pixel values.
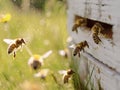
(107, 54)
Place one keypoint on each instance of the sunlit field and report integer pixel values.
(42, 32)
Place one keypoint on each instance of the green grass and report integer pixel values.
(37, 29)
(79, 83)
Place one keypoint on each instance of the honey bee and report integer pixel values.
(36, 61)
(79, 47)
(64, 53)
(66, 74)
(96, 30)
(78, 22)
(96, 39)
(14, 45)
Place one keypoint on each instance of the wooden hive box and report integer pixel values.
(105, 56)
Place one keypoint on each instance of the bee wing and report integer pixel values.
(61, 52)
(30, 61)
(44, 56)
(62, 72)
(72, 46)
(8, 41)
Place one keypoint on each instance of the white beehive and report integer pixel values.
(105, 56)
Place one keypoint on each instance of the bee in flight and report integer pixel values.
(64, 53)
(96, 30)
(79, 47)
(78, 22)
(66, 74)
(36, 61)
(14, 45)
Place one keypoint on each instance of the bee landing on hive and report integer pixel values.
(96, 30)
(79, 47)
(79, 21)
(14, 45)
(36, 61)
(67, 74)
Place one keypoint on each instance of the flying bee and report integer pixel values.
(36, 61)
(66, 74)
(96, 30)
(14, 45)
(78, 22)
(64, 53)
(79, 47)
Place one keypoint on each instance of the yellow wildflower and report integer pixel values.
(5, 18)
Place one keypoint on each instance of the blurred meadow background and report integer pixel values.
(42, 23)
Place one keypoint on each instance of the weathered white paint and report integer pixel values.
(92, 9)
(106, 80)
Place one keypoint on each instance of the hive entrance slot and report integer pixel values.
(88, 23)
